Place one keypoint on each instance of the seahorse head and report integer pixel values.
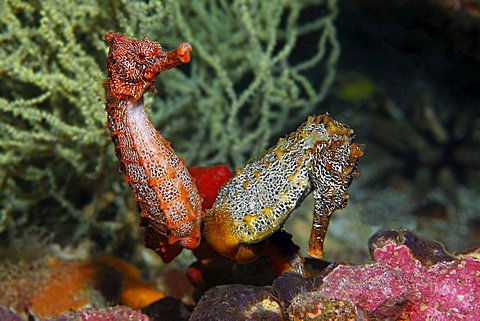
(132, 64)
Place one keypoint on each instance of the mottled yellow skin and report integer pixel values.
(318, 157)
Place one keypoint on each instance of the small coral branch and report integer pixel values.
(256, 90)
(50, 111)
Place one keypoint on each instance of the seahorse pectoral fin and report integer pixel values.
(249, 252)
(321, 219)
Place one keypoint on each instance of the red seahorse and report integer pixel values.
(169, 202)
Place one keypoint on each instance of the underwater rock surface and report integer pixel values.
(410, 278)
(397, 285)
(168, 309)
(238, 302)
(118, 313)
(6, 315)
(315, 306)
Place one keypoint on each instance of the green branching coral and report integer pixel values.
(258, 68)
(52, 141)
(248, 74)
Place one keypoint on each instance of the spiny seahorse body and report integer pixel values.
(319, 156)
(170, 205)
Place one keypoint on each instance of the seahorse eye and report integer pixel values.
(141, 56)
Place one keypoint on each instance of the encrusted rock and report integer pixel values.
(403, 284)
(426, 251)
(168, 309)
(289, 285)
(238, 302)
(118, 313)
(6, 315)
(410, 278)
(314, 306)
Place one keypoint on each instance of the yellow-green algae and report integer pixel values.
(250, 79)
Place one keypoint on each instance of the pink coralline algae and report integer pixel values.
(398, 286)
(410, 278)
